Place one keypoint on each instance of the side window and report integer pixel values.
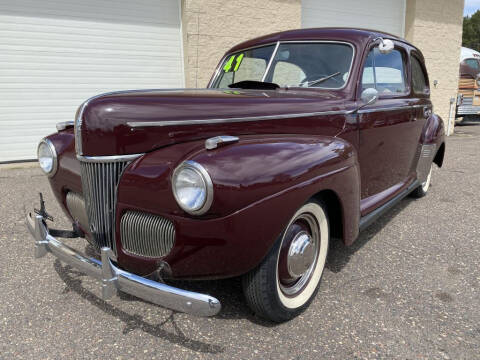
(472, 63)
(385, 72)
(419, 79)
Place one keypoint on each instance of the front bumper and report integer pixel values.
(114, 279)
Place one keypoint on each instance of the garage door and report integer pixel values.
(56, 53)
(384, 15)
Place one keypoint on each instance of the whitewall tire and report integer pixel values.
(287, 280)
(422, 190)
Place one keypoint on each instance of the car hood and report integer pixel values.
(132, 122)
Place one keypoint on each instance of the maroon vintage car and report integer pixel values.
(300, 137)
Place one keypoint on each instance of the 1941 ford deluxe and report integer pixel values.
(300, 137)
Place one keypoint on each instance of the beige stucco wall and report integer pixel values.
(435, 27)
(211, 27)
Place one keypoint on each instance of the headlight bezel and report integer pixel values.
(53, 152)
(205, 176)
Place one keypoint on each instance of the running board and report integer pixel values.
(368, 219)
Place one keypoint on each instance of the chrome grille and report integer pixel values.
(99, 182)
(146, 234)
(76, 207)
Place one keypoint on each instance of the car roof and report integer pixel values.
(467, 53)
(353, 35)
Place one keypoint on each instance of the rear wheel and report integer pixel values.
(422, 190)
(286, 281)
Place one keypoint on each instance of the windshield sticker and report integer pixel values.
(228, 65)
(239, 61)
(233, 62)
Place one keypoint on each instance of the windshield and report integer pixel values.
(316, 64)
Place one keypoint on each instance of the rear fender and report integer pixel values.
(431, 146)
(434, 131)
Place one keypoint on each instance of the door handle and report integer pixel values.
(427, 112)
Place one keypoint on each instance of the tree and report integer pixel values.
(471, 31)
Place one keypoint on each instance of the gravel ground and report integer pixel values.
(408, 288)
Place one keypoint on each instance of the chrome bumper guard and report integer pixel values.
(114, 279)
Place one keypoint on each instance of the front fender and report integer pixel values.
(258, 185)
(256, 168)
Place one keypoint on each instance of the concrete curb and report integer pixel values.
(19, 165)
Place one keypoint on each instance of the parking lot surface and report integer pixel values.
(408, 288)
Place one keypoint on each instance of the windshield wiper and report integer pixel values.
(318, 81)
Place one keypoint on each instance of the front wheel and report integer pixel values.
(286, 281)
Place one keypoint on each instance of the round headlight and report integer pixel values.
(47, 157)
(192, 188)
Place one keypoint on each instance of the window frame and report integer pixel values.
(277, 44)
(406, 73)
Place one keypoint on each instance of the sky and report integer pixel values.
(471, 6)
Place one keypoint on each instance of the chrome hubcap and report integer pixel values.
(301, 254)
(298, 255)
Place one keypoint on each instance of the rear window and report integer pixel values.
(419, 78)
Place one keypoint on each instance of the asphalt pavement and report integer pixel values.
(409, 288)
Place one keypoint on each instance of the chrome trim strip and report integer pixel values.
(260, 118)
(108, 158)
(114, 278)
(274, 53)
(54, 153)
(422, 106)
(393, 108)
(208, 186)
(64, 124)
(231, 120)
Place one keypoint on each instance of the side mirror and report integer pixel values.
(369, 96)
(386, 46)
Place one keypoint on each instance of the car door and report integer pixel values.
(386, 146)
